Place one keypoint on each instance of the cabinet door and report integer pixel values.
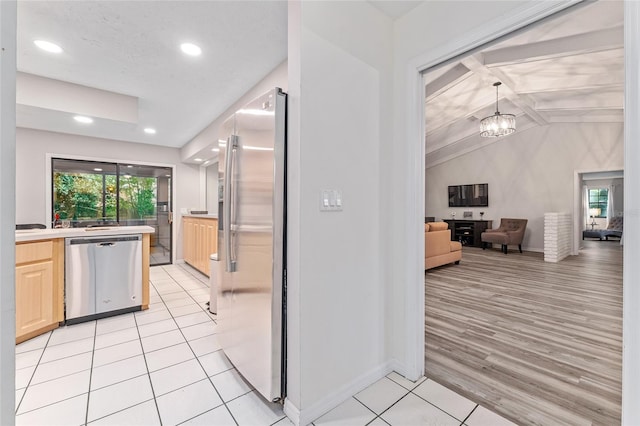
(211, 243)
(34, 297)
(212, 237)
(201, 244)
(188, 240)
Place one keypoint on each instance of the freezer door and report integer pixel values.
(250, 310)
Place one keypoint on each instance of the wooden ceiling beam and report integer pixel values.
(446, 81)
(591, 88)
(474, 64)
(596, 41)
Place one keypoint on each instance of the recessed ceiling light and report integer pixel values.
(190, 49)
(150, 131)
(83, 119)
(129, 166)
(97, 169)
(168, 175)
(48, 46)
(197, 159)
(215, 149)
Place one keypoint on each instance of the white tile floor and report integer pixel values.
(164, 366)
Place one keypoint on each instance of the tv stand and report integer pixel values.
(468, 232)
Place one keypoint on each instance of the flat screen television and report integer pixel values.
(474, 195)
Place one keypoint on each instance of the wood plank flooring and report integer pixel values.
(539, 343)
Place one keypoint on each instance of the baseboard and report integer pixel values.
(533, 249)
(292, 412)
(398, 367)
(306, 416)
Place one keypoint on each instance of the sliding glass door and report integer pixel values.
(90, 193)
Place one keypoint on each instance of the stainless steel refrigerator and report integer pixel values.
(251, 242)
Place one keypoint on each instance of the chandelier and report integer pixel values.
(497, 125)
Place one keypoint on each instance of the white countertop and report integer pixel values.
(46, 234)
(205, 216)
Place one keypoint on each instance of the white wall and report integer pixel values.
(211, 187)
(339, 110)
(631, 266)
(208, 137)
(529, 173)
(7, 211)
(33, 145)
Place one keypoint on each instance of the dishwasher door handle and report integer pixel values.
(105, 244)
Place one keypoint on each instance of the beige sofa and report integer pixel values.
(438, 247)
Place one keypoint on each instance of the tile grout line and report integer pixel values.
(206, 311)
(144, 356)
(190, 271)
(138, 339)
(389, 407)
(432, 404)
(376, 415)
(199, 363)
(95, 330)
(469, 415)
(194, 354)
(26, 388)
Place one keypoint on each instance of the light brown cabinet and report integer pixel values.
(200, 239)
(39, 287)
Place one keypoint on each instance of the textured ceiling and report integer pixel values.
(395, 8)
(132, 48)
(567, 69)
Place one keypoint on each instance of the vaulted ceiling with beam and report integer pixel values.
(568, 69)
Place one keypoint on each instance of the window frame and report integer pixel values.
(599, 204)
(116, 169)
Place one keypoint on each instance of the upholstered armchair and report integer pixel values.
(510, 232)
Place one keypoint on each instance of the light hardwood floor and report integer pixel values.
(539, 343)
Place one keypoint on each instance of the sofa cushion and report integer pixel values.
(495, 237)
(437, 226)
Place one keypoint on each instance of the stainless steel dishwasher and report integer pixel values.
(103, 276)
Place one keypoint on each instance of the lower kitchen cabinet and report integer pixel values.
(39, 287)
(200, 240)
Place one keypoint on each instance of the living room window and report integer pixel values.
(598, 198)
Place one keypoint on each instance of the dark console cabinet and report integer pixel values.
(468, 231)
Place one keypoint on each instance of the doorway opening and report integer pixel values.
(599, 203)
(492, 322)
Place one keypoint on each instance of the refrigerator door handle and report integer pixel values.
(232, 143)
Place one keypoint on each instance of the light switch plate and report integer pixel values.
(331, 200)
